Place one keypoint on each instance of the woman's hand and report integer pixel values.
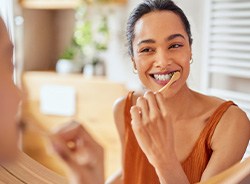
(152, 127)
(81, 153)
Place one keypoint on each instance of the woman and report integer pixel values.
(178, 135)
(10, 98)
(85, 160)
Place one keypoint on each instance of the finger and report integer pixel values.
(73, 131)
(79, 157)
(143, 105)
(68, 131)
(74, 135)
(63, 151)
(135, 112)
(152, 102)
(84, 134)
(138, 127)
(160, 101)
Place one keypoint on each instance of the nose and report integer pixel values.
(162, 59)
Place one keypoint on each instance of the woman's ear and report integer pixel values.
(133, 61)
(134, 65)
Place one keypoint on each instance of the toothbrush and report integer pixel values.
(174, 78)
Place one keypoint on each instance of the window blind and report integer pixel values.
(227, 53)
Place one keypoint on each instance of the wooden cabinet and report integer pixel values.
(46, 34)
(50, 4)
(95, 98)
(61, 4)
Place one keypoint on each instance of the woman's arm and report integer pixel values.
(118, 109)
(229, 142)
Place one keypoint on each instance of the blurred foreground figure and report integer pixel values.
(85, 159)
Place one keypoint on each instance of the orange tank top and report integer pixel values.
(138, 170)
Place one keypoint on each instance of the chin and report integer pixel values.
(168, 95)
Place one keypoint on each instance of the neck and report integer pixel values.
(179, 105)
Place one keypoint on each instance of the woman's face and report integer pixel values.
(9, 99)
(161, 47)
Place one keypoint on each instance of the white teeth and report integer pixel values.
(162, 77)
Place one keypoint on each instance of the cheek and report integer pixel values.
(186, 68)
(184, 61)
(143, 67)
(142, 64)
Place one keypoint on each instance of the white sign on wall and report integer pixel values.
(58, 100)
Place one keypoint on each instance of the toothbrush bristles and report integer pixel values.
(175, 77)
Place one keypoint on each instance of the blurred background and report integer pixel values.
(71, 61)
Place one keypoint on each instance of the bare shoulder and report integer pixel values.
(230, 137)
(118, 110)
(234, 125)
(236, 113)
(209, 104)
(234, 118)
(119, 105)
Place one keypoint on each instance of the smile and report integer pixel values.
(162, 78)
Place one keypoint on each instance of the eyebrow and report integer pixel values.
(173, 36)
(169, 38)
(146, 41)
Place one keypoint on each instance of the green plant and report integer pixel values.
(69, 53)
(83, 34)
(102, 44)
(90, 35)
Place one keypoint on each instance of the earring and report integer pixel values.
(191, 61)
(135, 71)
(134, 67)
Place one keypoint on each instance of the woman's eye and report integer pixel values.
(146, 50)
(175, 46)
